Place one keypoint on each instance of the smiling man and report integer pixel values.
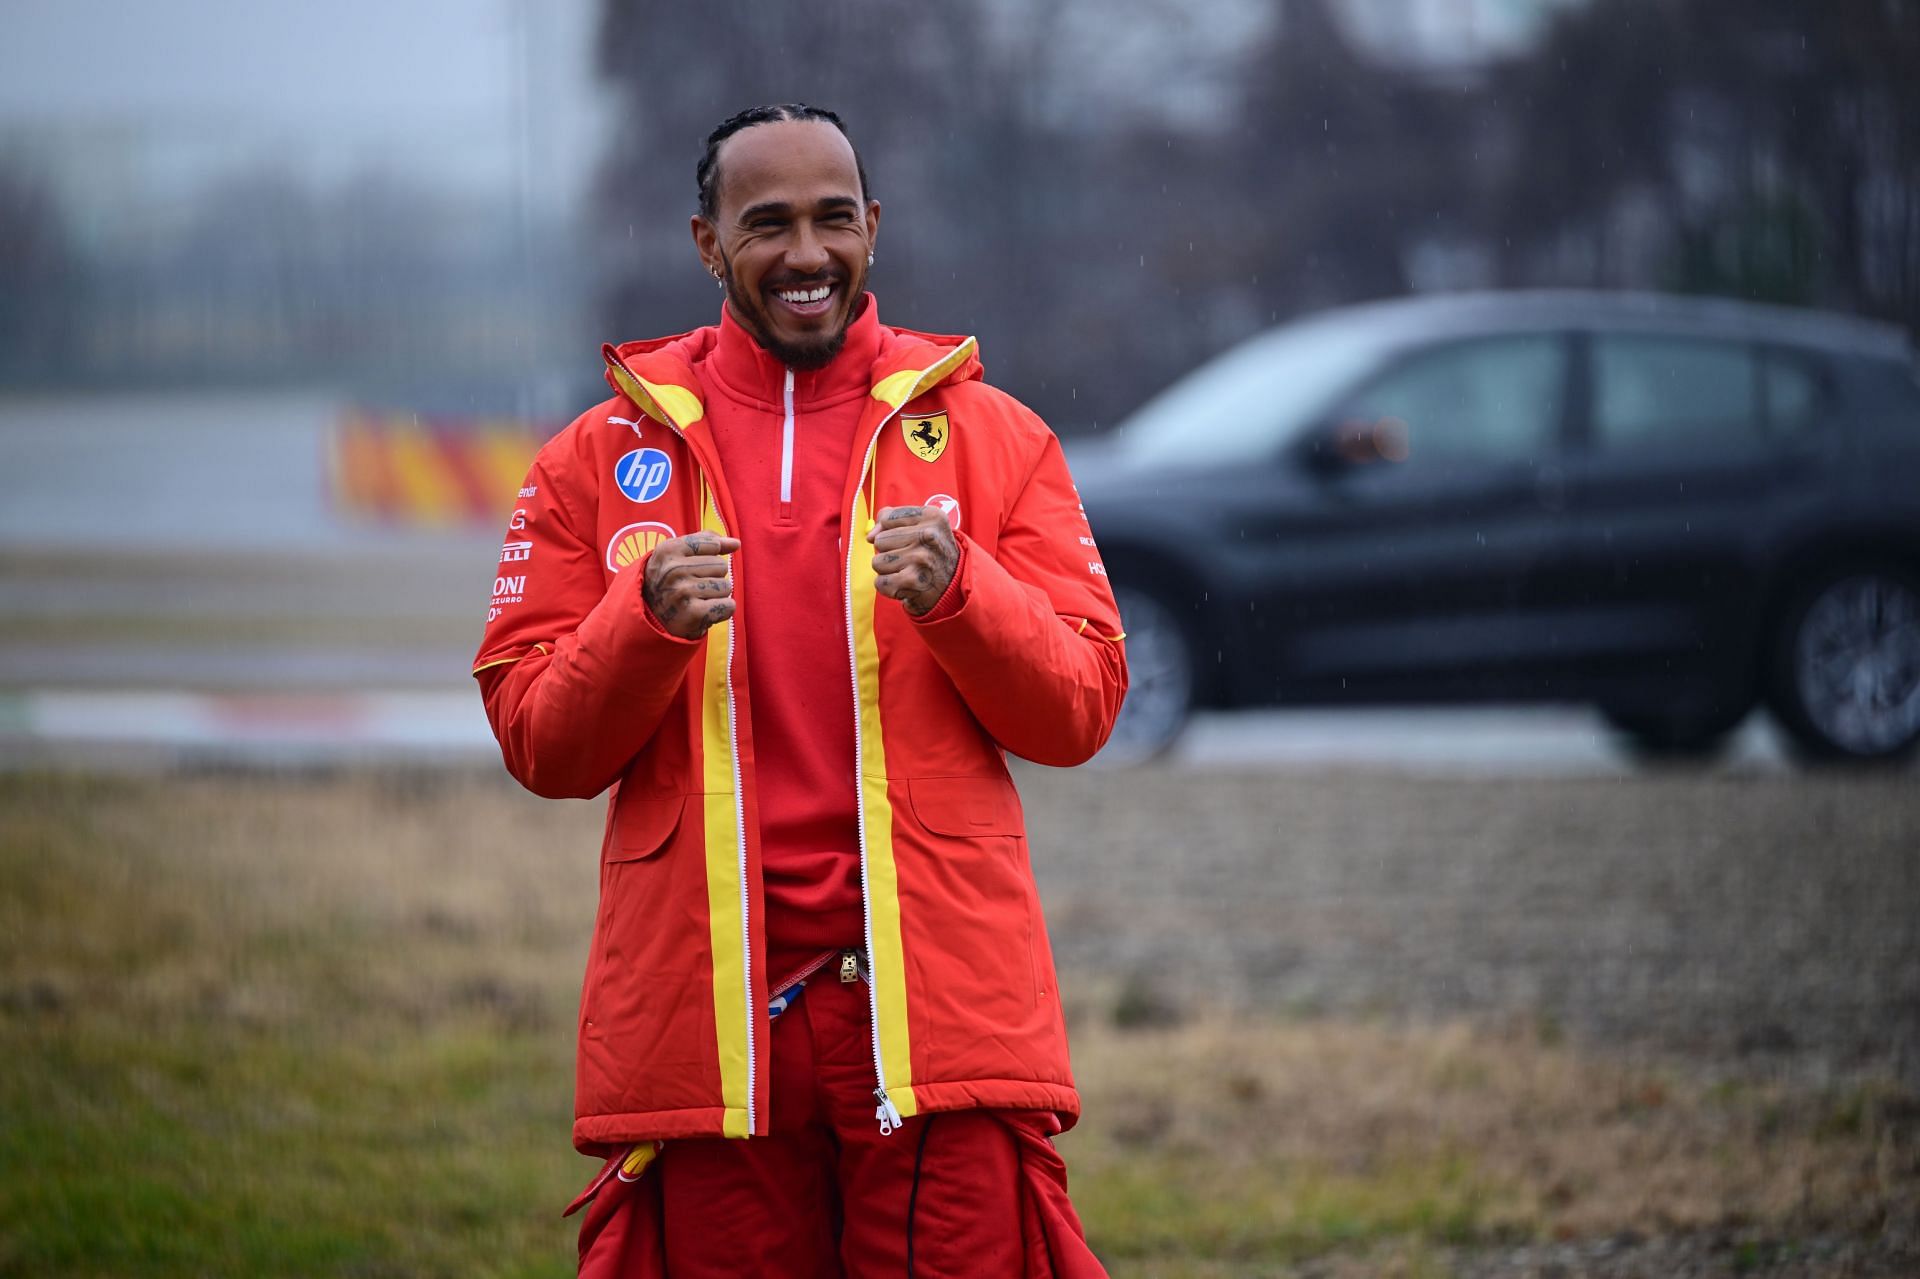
(793, 594)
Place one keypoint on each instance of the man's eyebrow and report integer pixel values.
(783, 209)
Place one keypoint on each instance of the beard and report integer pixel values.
(807, 356)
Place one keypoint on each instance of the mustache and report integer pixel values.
(804, 281)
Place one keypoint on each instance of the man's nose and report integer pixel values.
(806, 254)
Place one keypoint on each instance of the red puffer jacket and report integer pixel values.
(584, 693)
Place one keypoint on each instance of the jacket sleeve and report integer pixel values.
(575, 674)
(1034, 646)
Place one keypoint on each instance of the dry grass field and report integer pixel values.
(1325, 1026)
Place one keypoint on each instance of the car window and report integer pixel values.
(1241, 406)
(1796, 394)
(1493, 398)
(1889, 399)
(1650, 391)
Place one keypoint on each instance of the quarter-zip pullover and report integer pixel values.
(786, 438)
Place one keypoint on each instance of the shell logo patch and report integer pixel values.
(631, 544)
(926, 435)
(636, 1161)
(948, 506)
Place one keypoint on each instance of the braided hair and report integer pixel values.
(707, 174)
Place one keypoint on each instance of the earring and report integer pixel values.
(714, 271)
(869, 259)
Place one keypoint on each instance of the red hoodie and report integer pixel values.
(785, 440)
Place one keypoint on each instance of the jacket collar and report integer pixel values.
(749, 371)
(657, 375)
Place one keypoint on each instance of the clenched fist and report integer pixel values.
(914, 555)
(686, 585)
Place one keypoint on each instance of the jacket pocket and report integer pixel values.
(967, 918)
(643, 825)
(640, 828)
(966, 805)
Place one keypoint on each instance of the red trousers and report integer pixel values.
(825, 1194)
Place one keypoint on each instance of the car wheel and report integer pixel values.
(1159, 680)
(1665, 735)
(1846, 666)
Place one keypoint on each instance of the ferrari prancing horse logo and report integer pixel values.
(926, 435)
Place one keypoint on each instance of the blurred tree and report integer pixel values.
(1768, 150)
(1106, 192)
(41, 278)
(1048, 183)
(1020, 201)
(1340, 153)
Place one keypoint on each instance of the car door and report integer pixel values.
(1692, 454)
(1419, 560)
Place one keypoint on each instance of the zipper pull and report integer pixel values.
(849, 967)
(889, 1117)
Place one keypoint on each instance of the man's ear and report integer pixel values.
(873, 222)
(706, 241)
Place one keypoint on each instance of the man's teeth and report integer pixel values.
(804, 295)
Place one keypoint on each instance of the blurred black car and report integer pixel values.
(1671, 508)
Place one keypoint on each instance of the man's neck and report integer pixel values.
(751, 370)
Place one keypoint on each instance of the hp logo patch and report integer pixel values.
(643, 474)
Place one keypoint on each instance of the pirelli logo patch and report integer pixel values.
(926, 435)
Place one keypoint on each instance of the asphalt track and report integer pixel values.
(445, 726)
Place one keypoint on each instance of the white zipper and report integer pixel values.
(889, 1117)
(739, 798)
(884, 1112)
(786, 453)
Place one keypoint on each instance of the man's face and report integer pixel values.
(790, 237)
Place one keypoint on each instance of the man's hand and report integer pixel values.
(686, 585)
(914, 555)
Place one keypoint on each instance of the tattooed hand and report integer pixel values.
(686, 585)
(914, 554)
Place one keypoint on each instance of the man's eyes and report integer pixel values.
(776, 224)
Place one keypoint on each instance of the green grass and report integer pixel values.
(1184, 1205)
(192, 1089)
(270, 1025)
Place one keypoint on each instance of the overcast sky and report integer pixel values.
(467, 92)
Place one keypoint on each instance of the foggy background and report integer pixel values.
(299, 289)
(395, 200)
(290, 294)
